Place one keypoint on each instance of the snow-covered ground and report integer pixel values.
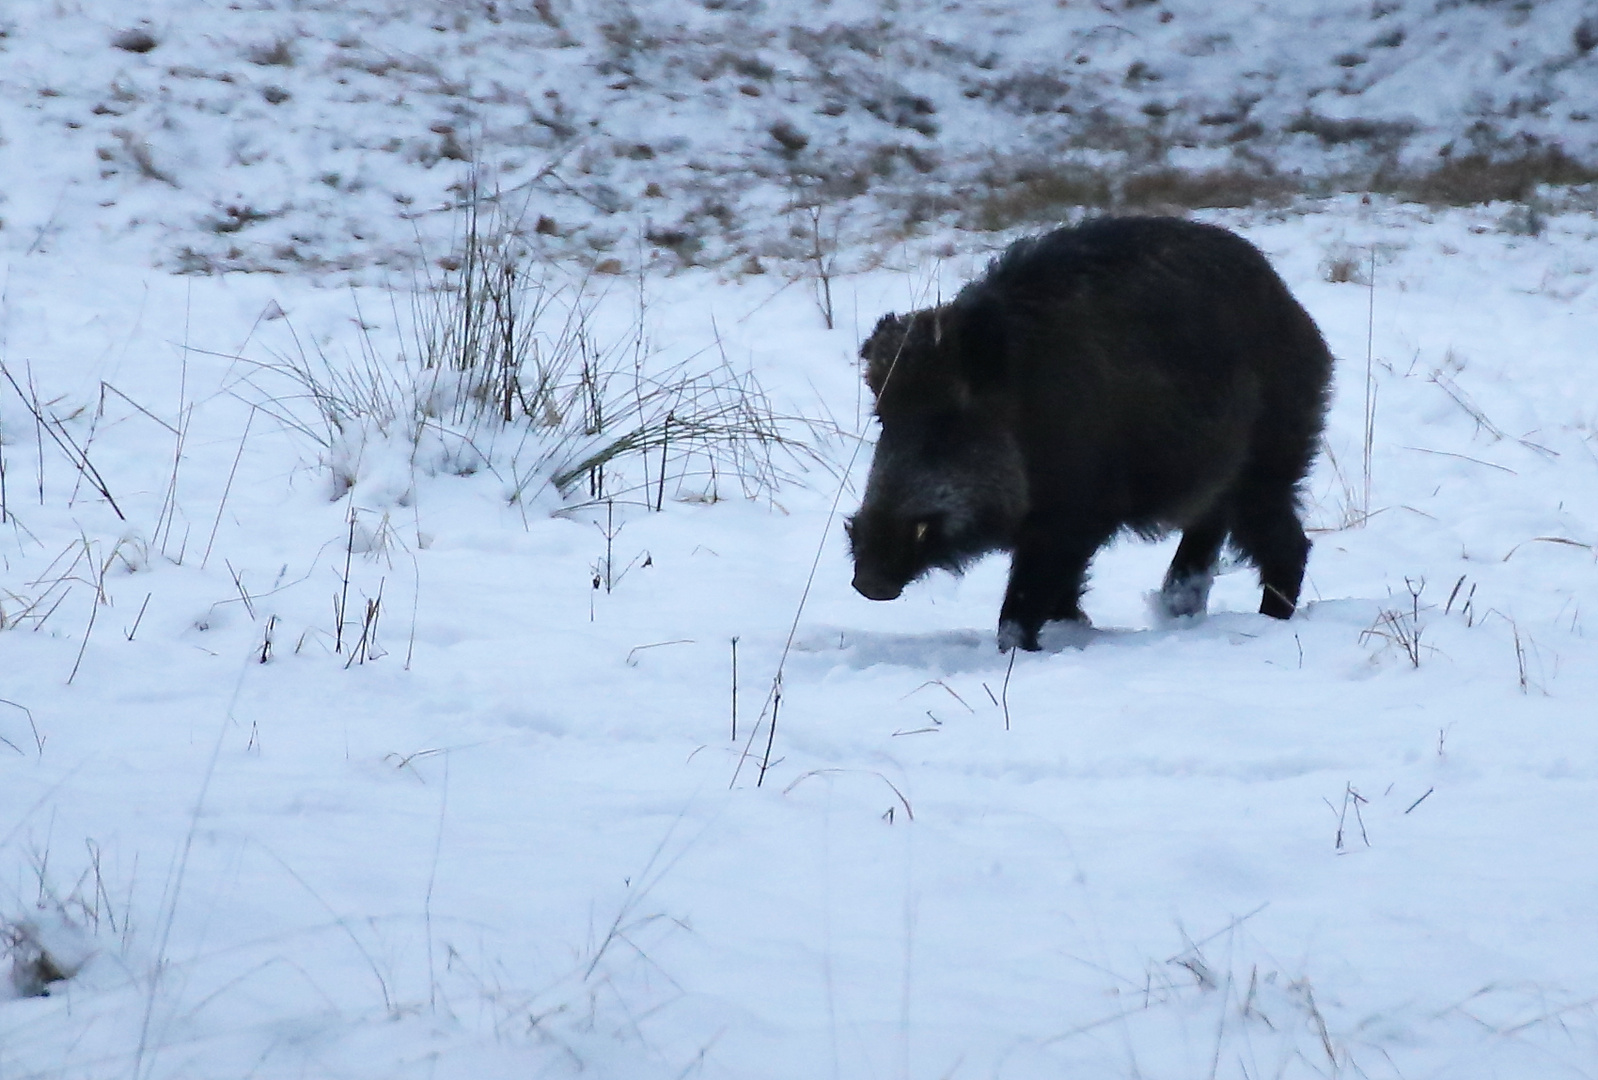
(493, 820)
(325, 134)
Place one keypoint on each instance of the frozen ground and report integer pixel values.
(326, 134)
(1255, 848)
(492, 820)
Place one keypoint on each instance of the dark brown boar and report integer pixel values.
(1142, 374)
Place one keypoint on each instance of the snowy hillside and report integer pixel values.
(348, 729)
(324, 134)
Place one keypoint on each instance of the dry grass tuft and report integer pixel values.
(1480, 178)
(1181, 189)
(504, 371)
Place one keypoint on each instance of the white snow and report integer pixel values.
(320, 135)
(510, 833)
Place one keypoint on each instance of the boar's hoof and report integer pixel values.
(1185, 595)
(1012, 635)
(1276, 605)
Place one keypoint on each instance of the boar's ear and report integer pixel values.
(983, 346)
(881, 350)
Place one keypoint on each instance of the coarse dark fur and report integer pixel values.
(1147, 374)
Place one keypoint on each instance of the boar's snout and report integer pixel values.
(875, 588)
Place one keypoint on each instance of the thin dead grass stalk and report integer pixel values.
(822, 263)
(771, 729)
(366, 645)
(33, 726)
(185, 415)
(88, 632)
(1401, 627)
(1004, 691)
(137, 619)
(342, 599)
(266, 638)
(1369, 438)
(227, 488)
(909, 811)
(1351, 800)
(62, 437)
(1321, 1027)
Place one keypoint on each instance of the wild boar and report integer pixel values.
(1127, 374)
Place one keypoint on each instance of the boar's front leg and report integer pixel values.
(1047, 573)
(1186, 590)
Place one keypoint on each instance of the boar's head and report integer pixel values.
(947, 482)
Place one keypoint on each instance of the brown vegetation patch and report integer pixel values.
(1181, 189)
(1038, 196)
(1479, 178)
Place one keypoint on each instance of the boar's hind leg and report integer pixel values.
(1266, 528)
(1046, 577)
(1187, 583)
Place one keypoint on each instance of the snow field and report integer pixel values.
(1233, 847)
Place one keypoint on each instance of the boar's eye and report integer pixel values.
(921, 531)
